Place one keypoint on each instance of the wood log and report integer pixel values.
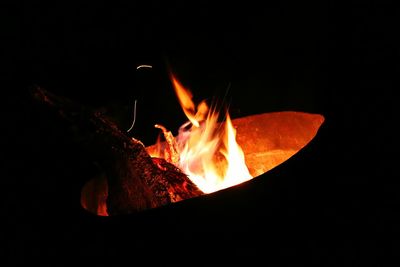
(135, 181)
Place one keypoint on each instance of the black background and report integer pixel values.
(336, 201)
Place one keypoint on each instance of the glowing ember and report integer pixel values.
(208, 151)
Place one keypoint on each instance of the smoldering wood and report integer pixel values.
(135, 181)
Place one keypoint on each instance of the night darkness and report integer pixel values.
(335, 202)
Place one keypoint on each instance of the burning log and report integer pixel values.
(134, 180)
(171, 149)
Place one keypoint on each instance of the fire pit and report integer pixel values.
(211, 152)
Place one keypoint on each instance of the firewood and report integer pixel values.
(135, 181)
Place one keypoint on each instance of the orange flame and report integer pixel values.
(209, 153)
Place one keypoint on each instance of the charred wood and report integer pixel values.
(135, 181)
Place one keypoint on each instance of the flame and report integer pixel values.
(235, 158)
(185, 99)
(94, 195)
(208, 151)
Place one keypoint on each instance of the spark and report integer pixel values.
(134, 117)
(144, 66)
